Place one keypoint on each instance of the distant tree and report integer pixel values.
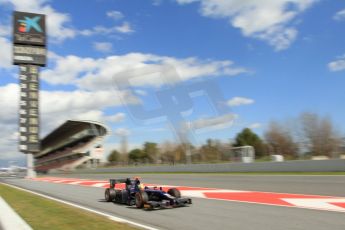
(167, 152)
(135, 155)
(247, 137)
(114, 156)
(280, 140)
(210, 151)
(150, 151)
(320, 136)
(180, 152)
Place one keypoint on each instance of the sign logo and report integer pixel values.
(29, 29)
(25, 25)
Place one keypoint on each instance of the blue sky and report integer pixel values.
(269, 60)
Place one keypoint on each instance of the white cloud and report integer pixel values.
(56, 21)
(185, 69)
(140, 92)
(104, 47)
(337, 65)
(81, 105)
(122, 132)
(5, 30)
(237, 101)
(6, 53)
(79, 100)
(9, 104)
(125, 28)
(116, 118)
(212, 123)
(97, 30)
(8, 122)
(255, 126)
(340, 15)
(115, 14)
(9, 148)
(267, 20)
(186, 1)
(67, 69)
(97, 74)
(278, 37)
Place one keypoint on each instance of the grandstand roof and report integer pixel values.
(72, 124)
(69, 128)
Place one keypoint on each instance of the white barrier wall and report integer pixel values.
(337, 165)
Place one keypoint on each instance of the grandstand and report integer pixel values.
(73, 144)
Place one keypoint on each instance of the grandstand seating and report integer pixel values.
(69, 145)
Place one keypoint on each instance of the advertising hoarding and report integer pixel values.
(25, 54)
(29, 28)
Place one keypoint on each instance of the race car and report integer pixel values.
(142, 196)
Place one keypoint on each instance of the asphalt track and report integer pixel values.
(317, 185)
(212, 214)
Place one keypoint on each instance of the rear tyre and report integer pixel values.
(141, 198)
(174, 192)
(124, 196)
(109, 194)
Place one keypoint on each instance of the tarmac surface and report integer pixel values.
(206, 213)
(304, 184)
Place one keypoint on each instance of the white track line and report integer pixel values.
(9, 219)
(111, 217)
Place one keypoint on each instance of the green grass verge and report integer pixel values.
(41, 213)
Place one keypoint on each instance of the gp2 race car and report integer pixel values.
(141, 196)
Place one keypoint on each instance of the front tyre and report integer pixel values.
(174, 192)
(141, 198)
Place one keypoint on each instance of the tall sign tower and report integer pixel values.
(29, 52)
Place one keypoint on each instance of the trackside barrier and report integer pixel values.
(9, 219)
(335, 165)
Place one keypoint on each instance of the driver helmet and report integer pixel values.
(141, 186)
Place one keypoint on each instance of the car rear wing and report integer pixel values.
(113, 182)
